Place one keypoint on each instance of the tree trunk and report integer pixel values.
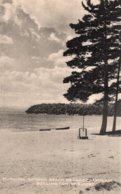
(104, 118)
(116, 100)
(105, 111)
(105, 104)
(115, 117)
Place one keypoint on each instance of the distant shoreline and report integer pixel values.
(71, 109)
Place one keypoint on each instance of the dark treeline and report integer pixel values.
(71, 109)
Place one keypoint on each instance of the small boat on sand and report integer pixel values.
(61, 128)
(44, 129)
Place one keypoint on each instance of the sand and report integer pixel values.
(57, 162)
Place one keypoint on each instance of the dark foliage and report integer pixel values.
(96, 52)
(71, 109)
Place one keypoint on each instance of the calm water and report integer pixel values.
(20, 121)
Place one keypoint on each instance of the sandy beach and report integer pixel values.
(57, 162)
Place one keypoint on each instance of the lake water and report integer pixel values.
(18, 120)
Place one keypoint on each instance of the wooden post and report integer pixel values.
(83, 130)
(83, 121)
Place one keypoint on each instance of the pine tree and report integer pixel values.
(116, 29)
(116, 96)
(94, 48)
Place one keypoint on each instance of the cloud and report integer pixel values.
(32, 63)
(7, 1)
(42, 85)
(5, 39)
(58, 59)
(8, 11)
(5, 59)
(53, 37)
(54, 13)
(6, 63)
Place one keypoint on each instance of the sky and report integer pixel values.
(54, 13)
(33, 38)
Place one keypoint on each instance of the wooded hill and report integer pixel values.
(71, 109)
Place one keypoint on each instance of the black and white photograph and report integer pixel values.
(60, 96)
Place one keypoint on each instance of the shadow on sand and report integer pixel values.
(116, 133)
